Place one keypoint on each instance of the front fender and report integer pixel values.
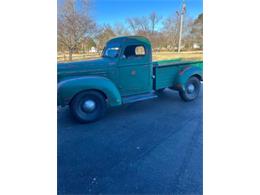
(67, 89)
(185, 74)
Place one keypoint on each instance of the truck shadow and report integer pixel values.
(169, 99)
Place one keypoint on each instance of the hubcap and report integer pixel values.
(89, 105)
(190, 88)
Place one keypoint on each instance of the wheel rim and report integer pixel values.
(88, 106)
(190, 88)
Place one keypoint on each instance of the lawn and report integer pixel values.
(191, 55)
(188, 55)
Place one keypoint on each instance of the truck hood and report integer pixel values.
(82, 67)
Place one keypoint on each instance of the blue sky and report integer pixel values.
(113, 11)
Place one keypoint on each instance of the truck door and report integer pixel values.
(135, 70)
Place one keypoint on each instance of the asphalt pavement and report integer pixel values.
(149, 147)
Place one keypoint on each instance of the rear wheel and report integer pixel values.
(191, 89)
(88, 106)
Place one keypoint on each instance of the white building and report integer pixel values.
(196, 46)
(93, 50)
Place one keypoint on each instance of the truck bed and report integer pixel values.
(166, 71)
(166, 62)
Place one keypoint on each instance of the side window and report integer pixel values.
(133, 51)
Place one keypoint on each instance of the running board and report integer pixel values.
(137, 98)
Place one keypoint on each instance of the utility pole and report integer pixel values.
(183, 10)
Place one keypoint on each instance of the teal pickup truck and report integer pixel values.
(125, 73)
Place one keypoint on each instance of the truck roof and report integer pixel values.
(142, 39)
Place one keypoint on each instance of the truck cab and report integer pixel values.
(131, 66)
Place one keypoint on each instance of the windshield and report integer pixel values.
(111, 51)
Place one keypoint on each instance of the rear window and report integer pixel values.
(139, 51)
(134, 51)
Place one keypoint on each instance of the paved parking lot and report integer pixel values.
(147, 147)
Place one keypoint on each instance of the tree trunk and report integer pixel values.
(70, 54)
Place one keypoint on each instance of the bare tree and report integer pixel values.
(120, 29)
(146, 26)
(87, 44)
(170, 30)
(154, 21)
(197, 30)
(74, 24)
(104, 34)
(186, 35)
(139, 25)
(154, 35)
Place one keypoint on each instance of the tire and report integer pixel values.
(191, 89)
(88, 106)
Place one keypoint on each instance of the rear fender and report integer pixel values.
(185, 73)
(67, 89)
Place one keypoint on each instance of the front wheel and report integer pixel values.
(88, 106)
(191, 89)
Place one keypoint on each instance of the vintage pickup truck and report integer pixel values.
(125, 73)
